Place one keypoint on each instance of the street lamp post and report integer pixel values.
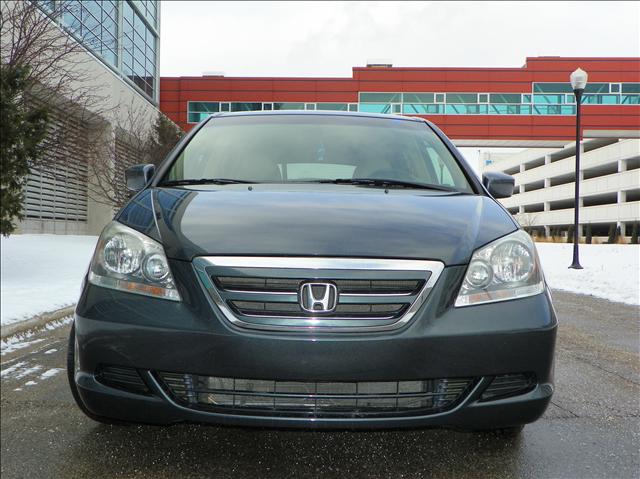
(578, 82)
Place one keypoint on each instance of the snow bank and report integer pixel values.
(41, 273)
(611, 271)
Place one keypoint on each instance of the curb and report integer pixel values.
(35, 323)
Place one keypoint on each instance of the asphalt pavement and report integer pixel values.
(591, 429)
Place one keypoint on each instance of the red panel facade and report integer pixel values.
(175, 92)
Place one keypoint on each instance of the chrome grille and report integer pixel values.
(315, 399)
(346, 286)
(264, 292)
(346, 311)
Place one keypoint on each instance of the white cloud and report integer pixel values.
(328, 38)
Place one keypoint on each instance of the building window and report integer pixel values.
(422, 109)
(554, 110)
(148, 10)
(505, 98)
(483, 98)
(95, 25)
(246, 106)
(199, 110)
(375, 107)
(332, 106)
(465, 109)
(139, 44)
(548, 99)
(630, 99)
(288, 106)
(566, 88)
(462, 98)
(610, 99)
(418, 97)
(504, 109)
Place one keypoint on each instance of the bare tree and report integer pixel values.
(58, 73)
(113, 149)
(130, 139)
(528, 221)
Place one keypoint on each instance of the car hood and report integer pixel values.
(321, 220)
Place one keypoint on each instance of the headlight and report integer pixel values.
(127, 260)
(506, 269)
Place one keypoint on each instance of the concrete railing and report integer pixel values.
(622, 181)
(621, 212)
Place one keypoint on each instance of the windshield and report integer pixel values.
(307, 148)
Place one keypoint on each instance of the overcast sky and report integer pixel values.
(327, 39)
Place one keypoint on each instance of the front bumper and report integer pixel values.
(152, 335)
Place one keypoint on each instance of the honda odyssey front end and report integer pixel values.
(317, 270)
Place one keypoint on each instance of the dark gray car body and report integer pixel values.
(315, 221)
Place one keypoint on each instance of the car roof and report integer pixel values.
(386, 116)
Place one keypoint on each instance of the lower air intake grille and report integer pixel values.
(315, 399)
(124, 378)
(509, 385)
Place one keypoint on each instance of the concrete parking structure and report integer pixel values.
(545, 185)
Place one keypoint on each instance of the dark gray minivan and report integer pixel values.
(316, 270)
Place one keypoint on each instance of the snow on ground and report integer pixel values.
(49, 373)
(41, 273)
(27, 371)
(12, 369)
(611, 271)
(22, 340)
(13, 343)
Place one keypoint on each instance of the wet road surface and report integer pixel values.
(591, 429)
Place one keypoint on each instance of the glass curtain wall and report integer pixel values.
(122, 34)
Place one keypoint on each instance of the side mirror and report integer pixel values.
(498, 184)
(139, 176)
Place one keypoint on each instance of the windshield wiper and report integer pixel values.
(389, 183)
(204, 181)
